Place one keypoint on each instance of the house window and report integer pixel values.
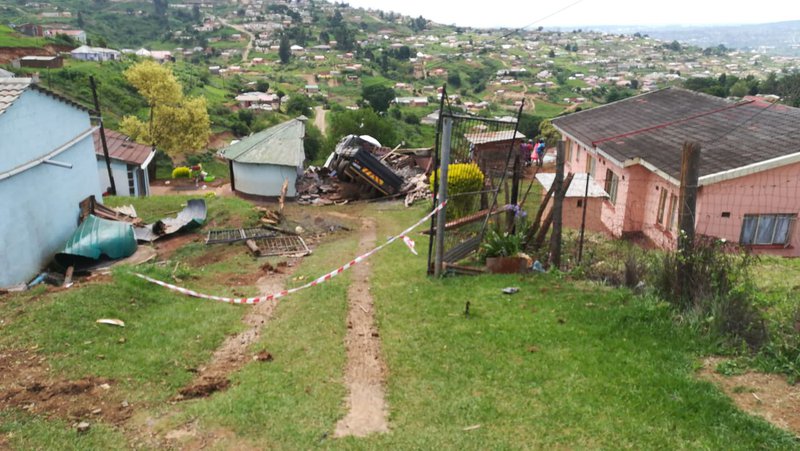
(612, 181)
(568, 146)
(590, 164)
(662, 202)
(766, 229)
(131, 182)
(673, 211)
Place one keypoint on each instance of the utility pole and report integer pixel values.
(441, 215)
(558, 201)
(690, 176)
(103, 135)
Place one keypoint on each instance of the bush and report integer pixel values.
(461, 178)
(181, 172)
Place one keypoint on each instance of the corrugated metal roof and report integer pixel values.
(120, 147)
(280, 145)
(482, 138)
(578, 186)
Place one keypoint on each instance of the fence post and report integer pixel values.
(558, 201)
(690, 175)
(102, 134)
(441, 216)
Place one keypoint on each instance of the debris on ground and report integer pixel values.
(193, 215)
(361, 169)
(510, 290)
(204, 388)
(94, 238)
(111, 321)
(263, 356)
(82, 427)
(90, 206)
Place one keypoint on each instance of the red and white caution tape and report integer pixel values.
(315, 282)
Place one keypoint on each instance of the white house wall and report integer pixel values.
(39, 207)
(120, 171)
(264, 179)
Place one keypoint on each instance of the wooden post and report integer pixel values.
(102, 135)
(690, 176)
(441, 215)
(558, 201)
(538, 241)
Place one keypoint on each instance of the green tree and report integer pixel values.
(551, 54)
(299, 104)
(177, 124)
(312, 143)
(262, 86)
(454, 79)
(548, 131)
(739, 89)
(284, 51)
(360, 122)
(378, 96)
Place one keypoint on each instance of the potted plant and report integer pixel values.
(502, 252)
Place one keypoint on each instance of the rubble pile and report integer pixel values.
(359, 169)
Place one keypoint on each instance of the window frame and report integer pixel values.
(662, 203)
(612, 186)
(776, 220)
(672, 219)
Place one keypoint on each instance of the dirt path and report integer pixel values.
(168, 190)
(319, 119)
(234, 352)
(243, 30)
(365, 374)
(768, 396)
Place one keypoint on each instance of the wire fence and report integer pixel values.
(494, 146)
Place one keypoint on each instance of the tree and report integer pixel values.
(312, 143)
(360, 122)
(378, 96)
(299, 104)
(177, 124)
(739, 89)
(81, 23)
(262, 86)
(454, 79)
(284, 52)
(549, 133)
(551, 54)
(324, 37)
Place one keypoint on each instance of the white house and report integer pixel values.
(260, 163)
(86, 53)
(129, 162)
(47, 166)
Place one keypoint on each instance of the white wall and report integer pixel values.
(264, 179)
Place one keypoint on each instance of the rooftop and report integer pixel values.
(653, 127)
(121, 147)
(280, 145)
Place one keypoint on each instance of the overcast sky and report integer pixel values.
(518, 13)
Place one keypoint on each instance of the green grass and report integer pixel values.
(561, 364)
(8, 38)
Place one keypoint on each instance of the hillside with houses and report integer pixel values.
(290, 224)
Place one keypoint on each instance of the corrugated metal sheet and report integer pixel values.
(121, 147)
(280, 145)
(95, 238)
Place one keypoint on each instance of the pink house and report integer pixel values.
(749, 172)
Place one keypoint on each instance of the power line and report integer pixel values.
(534, 22)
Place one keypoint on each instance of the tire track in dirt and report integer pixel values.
(233, 353)
(365, 374)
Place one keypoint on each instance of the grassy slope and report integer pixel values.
(607, 370)
(8, 38)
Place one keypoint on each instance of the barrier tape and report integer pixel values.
(315, 282)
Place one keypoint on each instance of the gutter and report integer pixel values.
(750, 169)
(44, 159)
(148, 160)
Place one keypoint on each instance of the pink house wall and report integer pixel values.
(767, 192)
(639, 190)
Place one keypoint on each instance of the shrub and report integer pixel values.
(496, 244)
(461, 178)
(181, 172)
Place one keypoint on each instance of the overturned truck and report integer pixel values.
(353, 162)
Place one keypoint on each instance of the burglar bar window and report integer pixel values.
(767, 229)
